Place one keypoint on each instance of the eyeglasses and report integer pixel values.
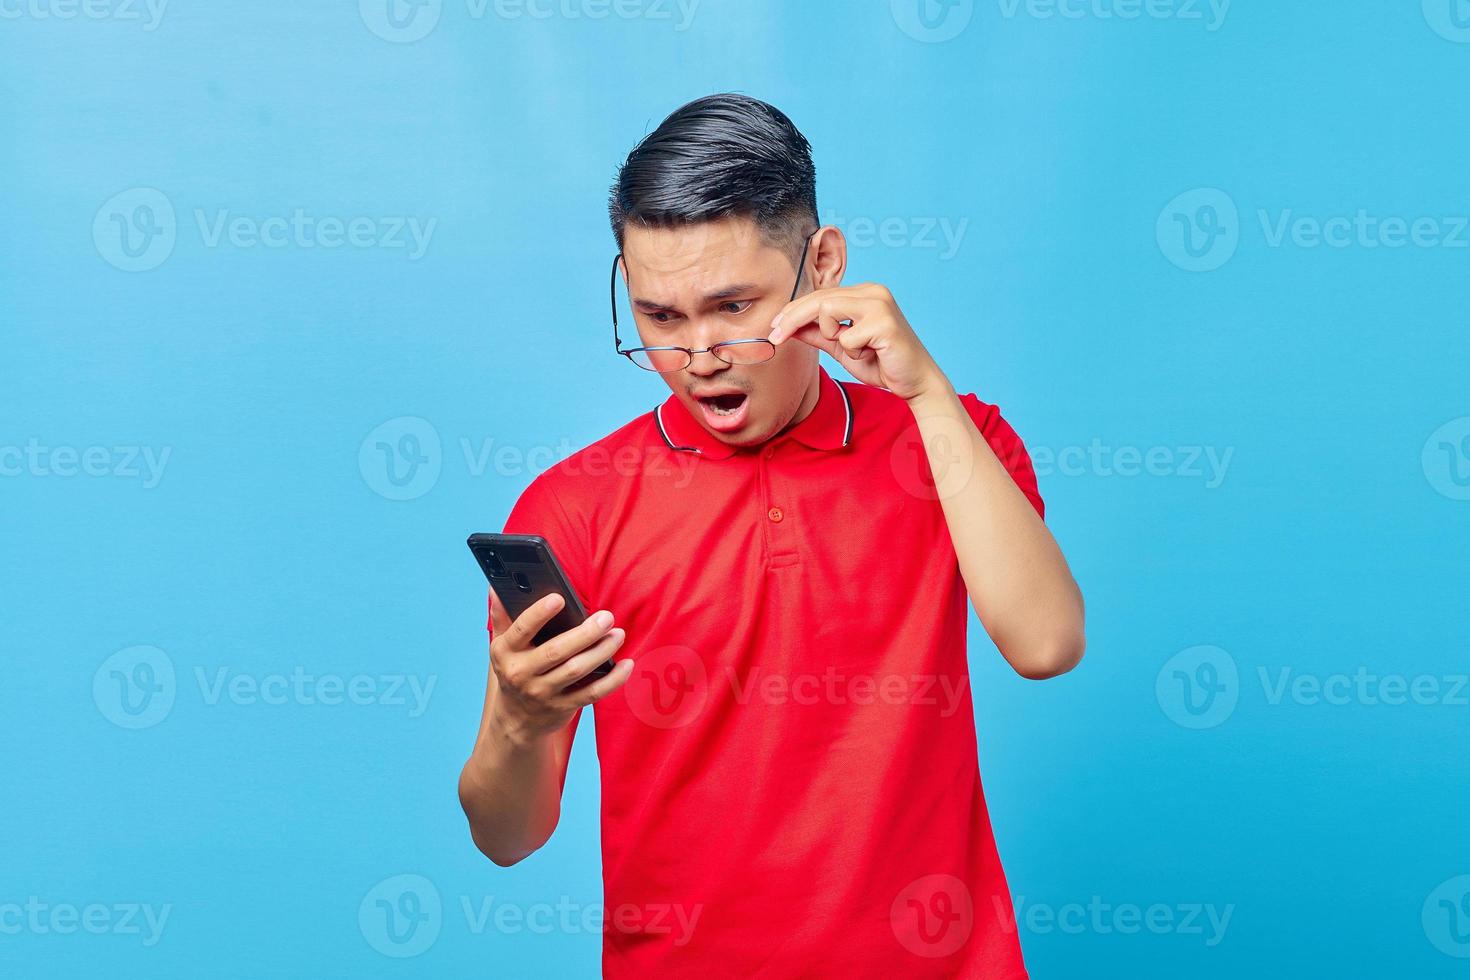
(664, 360)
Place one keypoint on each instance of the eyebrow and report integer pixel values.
(729, 291)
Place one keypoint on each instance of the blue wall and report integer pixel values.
(243, 660)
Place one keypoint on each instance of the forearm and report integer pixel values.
(511, 786)
(1013, 569)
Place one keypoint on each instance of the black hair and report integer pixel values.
(724, 155)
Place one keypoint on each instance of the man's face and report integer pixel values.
(701, 284)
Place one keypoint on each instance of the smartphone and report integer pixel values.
(521, 568)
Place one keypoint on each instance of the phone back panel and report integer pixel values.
(522, 569)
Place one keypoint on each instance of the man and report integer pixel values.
(787, 743)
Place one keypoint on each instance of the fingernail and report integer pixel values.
(776, 322)
(603, 619)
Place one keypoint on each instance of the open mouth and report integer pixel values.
(726, 411)
(725, 404)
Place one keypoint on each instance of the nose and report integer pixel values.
(705, 365)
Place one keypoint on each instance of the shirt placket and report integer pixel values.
(778, 517)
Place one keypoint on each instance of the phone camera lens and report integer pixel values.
(496, 566)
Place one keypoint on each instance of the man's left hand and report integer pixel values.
(863, 328)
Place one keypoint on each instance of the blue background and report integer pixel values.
(1334, 540)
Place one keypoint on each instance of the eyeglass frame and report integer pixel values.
(713, 348)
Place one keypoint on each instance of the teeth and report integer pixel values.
(715, 408)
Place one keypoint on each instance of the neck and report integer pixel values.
(808, 401)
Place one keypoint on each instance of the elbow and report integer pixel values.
(499, 856)
(501, 851)
(1053, 658)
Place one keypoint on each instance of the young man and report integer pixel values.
(787, 742)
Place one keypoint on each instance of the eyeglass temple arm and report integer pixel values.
(801, 265)
(612, 289)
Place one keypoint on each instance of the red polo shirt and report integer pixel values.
(789, 779)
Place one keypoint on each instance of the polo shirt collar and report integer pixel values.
(827, 427)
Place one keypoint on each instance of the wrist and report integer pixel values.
(509, 728)
(931, 393)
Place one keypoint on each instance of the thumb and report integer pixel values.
(811, 333)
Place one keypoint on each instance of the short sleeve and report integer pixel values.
(1007, 446)
(539, 511)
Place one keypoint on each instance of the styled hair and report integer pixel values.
(724, 155)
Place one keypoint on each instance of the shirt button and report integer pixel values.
(770, 451)
(775, 515)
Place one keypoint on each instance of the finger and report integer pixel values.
(811, 334)
(806, 309)
(848, 305)
(874, 290)
(579, 665)
(603, 686)
(499, 618)
(557, 650)
(856, 339)
(521, 633)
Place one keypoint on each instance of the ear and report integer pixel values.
(827, 254)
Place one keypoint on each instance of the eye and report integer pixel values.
(735, 306)
(662, 316)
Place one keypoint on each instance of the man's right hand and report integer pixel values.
(540, 687)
